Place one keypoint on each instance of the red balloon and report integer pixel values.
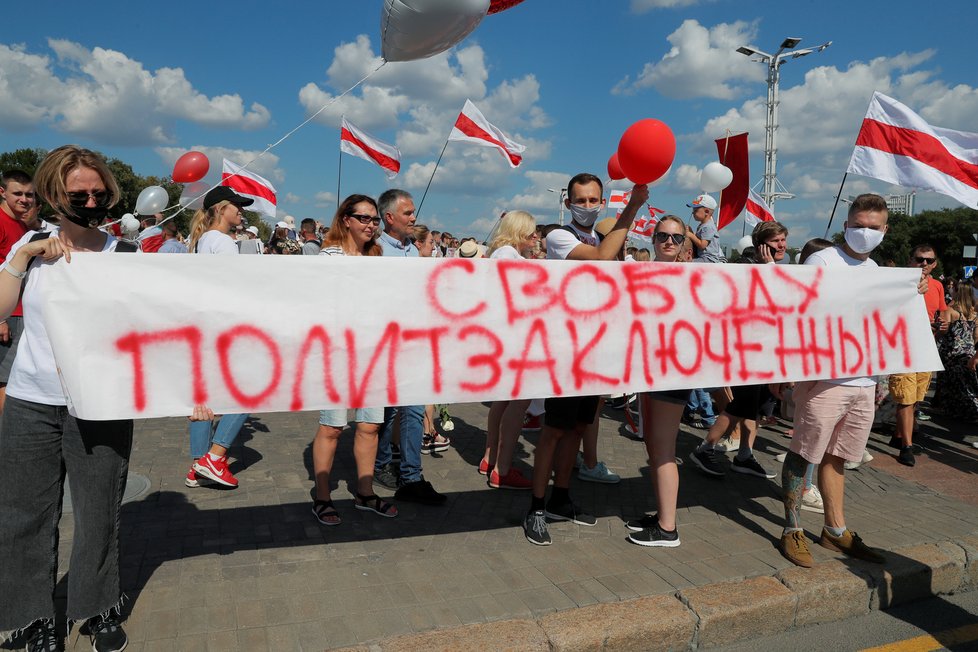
(190, 167)
(646, 150)
(501, 5)
(614, 168)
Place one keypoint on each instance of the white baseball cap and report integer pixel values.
(704, 201)
(253, 230)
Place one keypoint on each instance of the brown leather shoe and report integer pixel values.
(852, 545)
(794, 547)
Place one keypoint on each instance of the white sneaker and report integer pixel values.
(867, 458)
(811, 500)
(974, 444)
(781, 457)
(727, 445)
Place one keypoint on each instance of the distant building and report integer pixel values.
(900, 203)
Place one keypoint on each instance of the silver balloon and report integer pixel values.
(151, 200)
(417, 29)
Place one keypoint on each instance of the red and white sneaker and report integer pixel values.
(532, 424)
(483, 466)
(191, 479)
(512, 480)
(217, 471)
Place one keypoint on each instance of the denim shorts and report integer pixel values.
(338, 418)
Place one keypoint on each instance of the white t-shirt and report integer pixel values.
(332, 250)
(215, 242)
(561, 242)
(34, 376)
(836, 257)
(506, 252)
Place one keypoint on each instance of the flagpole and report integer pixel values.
(417, 211)
(834, 206)
(339, 173)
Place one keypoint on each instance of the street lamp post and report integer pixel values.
(561, 194)
(774, 62)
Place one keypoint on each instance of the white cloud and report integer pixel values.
(292, 198)
(641, 6)
(687, 177)
(702, 62)
(266, 166)
(107, 96)
(325, 199)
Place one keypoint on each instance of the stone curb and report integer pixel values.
(722, 613)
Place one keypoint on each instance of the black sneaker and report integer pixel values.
(906, 457)
(107, 634)
(897, 443)
(535, 528)
(750, 466)
(655, 536)
(430, 444)
(386, 476)
(43, 637)
(708, 461)
(639, 524)
(569, 512)
(420, 491)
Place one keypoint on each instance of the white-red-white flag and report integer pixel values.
(619, 199)
(363, 145)
(644, 226)
(756, 210)
(248, 184)
(896, 145)
(473, 127)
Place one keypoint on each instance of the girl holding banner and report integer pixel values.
(41, 443)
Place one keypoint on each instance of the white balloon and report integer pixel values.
(192, 196)
(129, 226)
(151, 200)
(417, 29)
(715, 177)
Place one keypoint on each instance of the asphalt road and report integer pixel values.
(949, 623)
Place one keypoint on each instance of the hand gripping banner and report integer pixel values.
(311, 332)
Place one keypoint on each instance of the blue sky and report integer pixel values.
(563, 77)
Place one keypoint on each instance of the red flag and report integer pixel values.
(363, 145)
(473, 127)
(733, 154)
(756, 211)
(896, 145)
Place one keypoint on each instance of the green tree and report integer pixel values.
(22, 159)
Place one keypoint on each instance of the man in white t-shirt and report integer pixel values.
(833, 417)
(567, 418)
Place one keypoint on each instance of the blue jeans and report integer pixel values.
(699, 401)
(41, 445)
(228, 427)
(412, 429)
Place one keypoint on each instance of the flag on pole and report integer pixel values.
(619, 199)
(732, 151)
(363, 145)
(472, 126)
(248, 184)
(896, 145)
(756, 211)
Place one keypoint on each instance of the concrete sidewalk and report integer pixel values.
(251, 568)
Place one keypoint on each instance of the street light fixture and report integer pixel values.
(772, 189)
(561, 194)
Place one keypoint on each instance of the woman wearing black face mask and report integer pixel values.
(40, 442)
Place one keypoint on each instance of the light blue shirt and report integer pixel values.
(394, 247)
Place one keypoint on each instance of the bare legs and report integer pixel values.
(364, 451)
(661, 427)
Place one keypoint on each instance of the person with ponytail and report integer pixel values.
(42, 445)
(210, 231)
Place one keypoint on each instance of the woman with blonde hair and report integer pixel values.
(957, 388)
(424, 240)
(210, 233)
(42, 445)
(515, 239)
(353, 233)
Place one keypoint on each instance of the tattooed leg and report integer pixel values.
(792, 488)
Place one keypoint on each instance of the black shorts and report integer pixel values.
(567, 412)
(678, 396)
(746, 401)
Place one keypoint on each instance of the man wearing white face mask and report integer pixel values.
(833, 417)
(567, 418)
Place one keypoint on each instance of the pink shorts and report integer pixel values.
(832, 419)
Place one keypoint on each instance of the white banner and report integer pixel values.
(310, 332)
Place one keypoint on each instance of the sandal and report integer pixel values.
(325, 512)
(374, 504)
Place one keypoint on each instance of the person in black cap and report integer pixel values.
(212, 224)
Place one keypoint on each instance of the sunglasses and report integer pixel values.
(925, 261)
(662, 238)
(366, 219)
(80, 198)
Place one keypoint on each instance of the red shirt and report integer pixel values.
(934, 298)
(11, 230)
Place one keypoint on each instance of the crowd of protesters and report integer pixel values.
(42, 445)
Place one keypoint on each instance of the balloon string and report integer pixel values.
(176, 208)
